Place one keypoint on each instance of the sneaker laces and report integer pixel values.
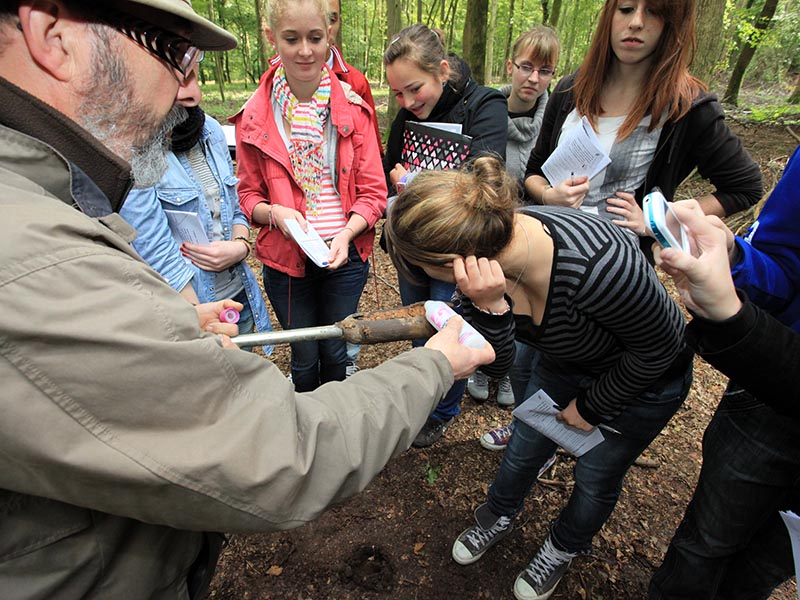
(479, 536)
(480, 379)
(501, 434)
(547, 560)
(504, 385)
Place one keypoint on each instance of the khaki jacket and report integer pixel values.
(126, 431)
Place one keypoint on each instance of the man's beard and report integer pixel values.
(124, 125)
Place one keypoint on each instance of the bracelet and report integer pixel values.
(353, 231)
(491, 312)
(241, 238)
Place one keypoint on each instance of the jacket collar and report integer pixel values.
(93, 168)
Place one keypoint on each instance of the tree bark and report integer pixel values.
(263, 43)
(394, 23)
(474, 39)
(710, 38)
(748, 50)
(795, 97)
(489, 64)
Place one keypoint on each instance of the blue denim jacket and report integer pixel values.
(179, 190)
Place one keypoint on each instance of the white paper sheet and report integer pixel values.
(186, 227)
(539, 411)
(792, 522)
(310, 242)
(578, 153)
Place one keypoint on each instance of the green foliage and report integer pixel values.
(432, 473)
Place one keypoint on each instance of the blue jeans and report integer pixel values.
(732, 543)
(433, 289)
(246, 321)
(322, 297)
(598, 473)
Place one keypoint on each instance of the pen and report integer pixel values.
(609, 428)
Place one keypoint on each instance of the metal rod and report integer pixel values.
(304, 334)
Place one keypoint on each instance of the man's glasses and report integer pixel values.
(528, 69)
(174, 50)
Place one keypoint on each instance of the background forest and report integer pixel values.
(753, 44)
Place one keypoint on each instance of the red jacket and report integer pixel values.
(266, 175)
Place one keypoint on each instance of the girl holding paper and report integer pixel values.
(574, 288)
(432, 86)
(306, 150)
(652, 117)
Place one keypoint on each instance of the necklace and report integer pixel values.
(527, 262)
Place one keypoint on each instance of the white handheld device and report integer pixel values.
(662, 222)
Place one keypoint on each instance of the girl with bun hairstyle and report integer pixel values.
(654, 119)
(575, 289)
(431, 86)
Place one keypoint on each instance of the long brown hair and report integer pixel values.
(669, 87)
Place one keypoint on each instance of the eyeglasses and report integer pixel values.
(174, 50)
(528, 70)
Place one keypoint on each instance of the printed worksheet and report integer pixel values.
(578, 153)
(539, 411)
(310, 242)
(186, 227)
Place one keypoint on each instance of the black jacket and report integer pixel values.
(758, 351)
(700, 139)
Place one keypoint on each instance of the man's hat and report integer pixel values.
(178, 17)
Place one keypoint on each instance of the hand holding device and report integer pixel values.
(663, 224)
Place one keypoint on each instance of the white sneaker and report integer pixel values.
(351, 369)
(478, 386)
(505, 395)
(540, 578)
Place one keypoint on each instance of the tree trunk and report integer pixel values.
(555, 14)
(474, 40)
(545, 11)
(489, 64)
(263, 42)
(748, 50)
(795, 97)
(710, 38)
(509, 37)
(218, 69)
(394, 23)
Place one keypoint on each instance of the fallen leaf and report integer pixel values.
(274, 570)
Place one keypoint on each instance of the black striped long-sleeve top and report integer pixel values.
(607, 314)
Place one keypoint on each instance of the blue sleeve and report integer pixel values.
(154, 241)
(768, 264)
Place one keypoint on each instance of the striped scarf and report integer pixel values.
(307, 121)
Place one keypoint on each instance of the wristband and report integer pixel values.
(491, 312)
(241, 238)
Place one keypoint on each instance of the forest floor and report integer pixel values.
(393, 540)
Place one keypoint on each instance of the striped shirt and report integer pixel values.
(606, 314)
(330, 218)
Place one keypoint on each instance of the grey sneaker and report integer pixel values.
(350, 368)
(497, 438)
(475, 540)
(478, 386)
(505, 395)
(541, 576)
(431, 432)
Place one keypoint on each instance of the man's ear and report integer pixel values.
(51, 36)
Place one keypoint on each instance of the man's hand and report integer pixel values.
(208, 318)
(463, 359)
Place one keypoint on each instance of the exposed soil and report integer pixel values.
(393, 540)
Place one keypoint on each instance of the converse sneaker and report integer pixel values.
(431, 432)
(497, 438)
(478, 386)
(541, 576)
(505, 395)
(475, 540)
(350, 368)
